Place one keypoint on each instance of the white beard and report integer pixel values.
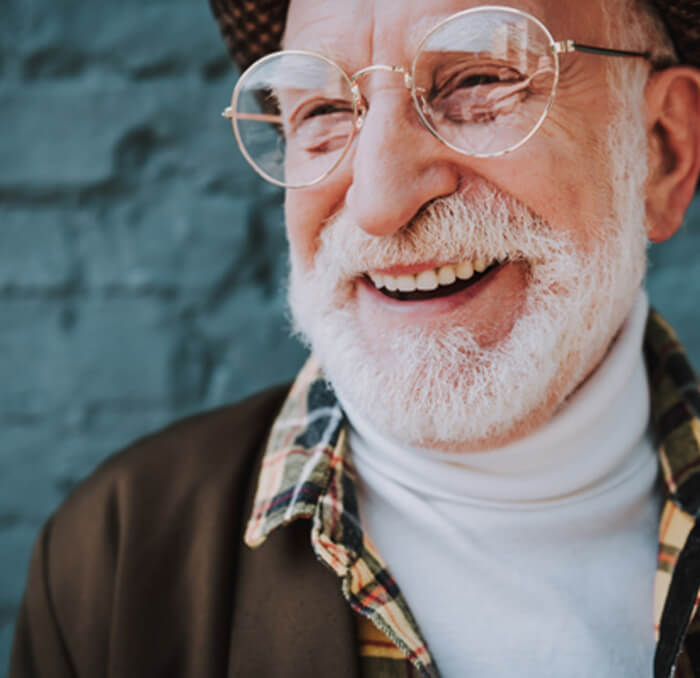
(435, 385)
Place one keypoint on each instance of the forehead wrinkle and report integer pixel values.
(316, 17)
(327, 47)
(416, 33)
(321, 34)
(420, 28)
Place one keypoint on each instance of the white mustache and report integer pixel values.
(450, 229)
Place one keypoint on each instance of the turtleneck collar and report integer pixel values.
(587, 447)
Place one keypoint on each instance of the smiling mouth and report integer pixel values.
(434, 283)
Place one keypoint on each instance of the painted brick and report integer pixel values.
(171, 240)
(151, 40)
(674, 281)
(37, 252)
(67, 135)
(254, 347)
(66, 352)
(16, 547)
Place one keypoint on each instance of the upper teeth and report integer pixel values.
(431, 278)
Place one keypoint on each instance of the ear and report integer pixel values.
(673, 125)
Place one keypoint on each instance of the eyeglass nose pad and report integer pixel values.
(360, 106)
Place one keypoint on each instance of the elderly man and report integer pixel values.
(494, 479)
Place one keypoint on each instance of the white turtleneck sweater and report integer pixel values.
(538, 558)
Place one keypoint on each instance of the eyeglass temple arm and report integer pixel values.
(570, 46)
(261, 117)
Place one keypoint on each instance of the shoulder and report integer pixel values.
(206, 458)
(149, 540)
(189, 456)
(164, 515)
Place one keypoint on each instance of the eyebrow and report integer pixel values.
(418, 31)
(325, 46)
(277, 76)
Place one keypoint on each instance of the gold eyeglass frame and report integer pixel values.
(359, 110)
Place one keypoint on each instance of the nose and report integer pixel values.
(397, 165)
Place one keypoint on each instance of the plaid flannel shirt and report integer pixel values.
(307, 473)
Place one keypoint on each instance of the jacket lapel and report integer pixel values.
(289, 614)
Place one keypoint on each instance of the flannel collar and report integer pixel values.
(675, 413)
(307, 473)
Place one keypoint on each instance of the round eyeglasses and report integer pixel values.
(482, 82)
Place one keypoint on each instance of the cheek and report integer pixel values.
(306, 212)
(579, 168)
(563, 183)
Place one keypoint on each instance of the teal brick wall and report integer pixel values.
(142, 263)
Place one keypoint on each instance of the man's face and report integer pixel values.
(506, 350)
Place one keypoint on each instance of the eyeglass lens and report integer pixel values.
(294, 116)
(482, 82)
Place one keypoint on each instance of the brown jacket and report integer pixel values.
(142, 572)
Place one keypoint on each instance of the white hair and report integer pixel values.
(637, 26)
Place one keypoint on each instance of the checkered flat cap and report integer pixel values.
(253, 28)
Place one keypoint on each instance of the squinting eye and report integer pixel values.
(328, 109)
(478, 79)
(320, 125)
(320, 109)
(478, 93)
